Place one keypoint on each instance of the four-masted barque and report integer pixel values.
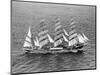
(63, 41)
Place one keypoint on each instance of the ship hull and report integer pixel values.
(55, 51)
(76, 49)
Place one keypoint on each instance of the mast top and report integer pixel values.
(43, 20)
(29, 32)
(57, 19)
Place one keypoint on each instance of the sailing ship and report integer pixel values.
(28, 43)
(63, 41)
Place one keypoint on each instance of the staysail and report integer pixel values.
(65, 39)
(28, 40)
(86, 39)
(50, 39)
(36, 41)
(65, 32)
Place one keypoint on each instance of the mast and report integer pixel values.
(58, 33)
(43, 39)
(72, 34)
(28, 40)
(74, 37)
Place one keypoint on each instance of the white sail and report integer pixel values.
(36, 42)
(73, 26)
(44, 42)
(57, 27)
(42, 37)
(80, 38)
(75, 41)
(29, 32)
(86, 39)
(65, 38)
(72, 32)
(27, 44)
(58, 23)
(28, 41)
(65, 32)
(42, 32)
(72, 36)
(58, 36)
(72, 23)
(58, 32)
(58, 42)
(72, 42)
(50, 39)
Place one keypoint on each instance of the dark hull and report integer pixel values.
(79, 49)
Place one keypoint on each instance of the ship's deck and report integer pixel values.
(55, 51)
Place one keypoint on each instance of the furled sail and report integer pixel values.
(28, 40)
(43, 43)
(72, 23)
(57, 23)
(42, 32)
(43, 38)
(72, 32)
(58, 36)
(73, 26)
(58, 33)
(57, 27)
(72, 36)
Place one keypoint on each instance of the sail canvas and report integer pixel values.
(52, 37)
(81, 39)
(65, 32)
(65, 39)
(28, 42)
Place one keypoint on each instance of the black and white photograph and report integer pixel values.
(52, 37)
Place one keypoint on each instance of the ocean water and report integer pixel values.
(30, 63)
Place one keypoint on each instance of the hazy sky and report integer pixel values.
(27, 13)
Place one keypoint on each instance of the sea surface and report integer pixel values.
(31, 63)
